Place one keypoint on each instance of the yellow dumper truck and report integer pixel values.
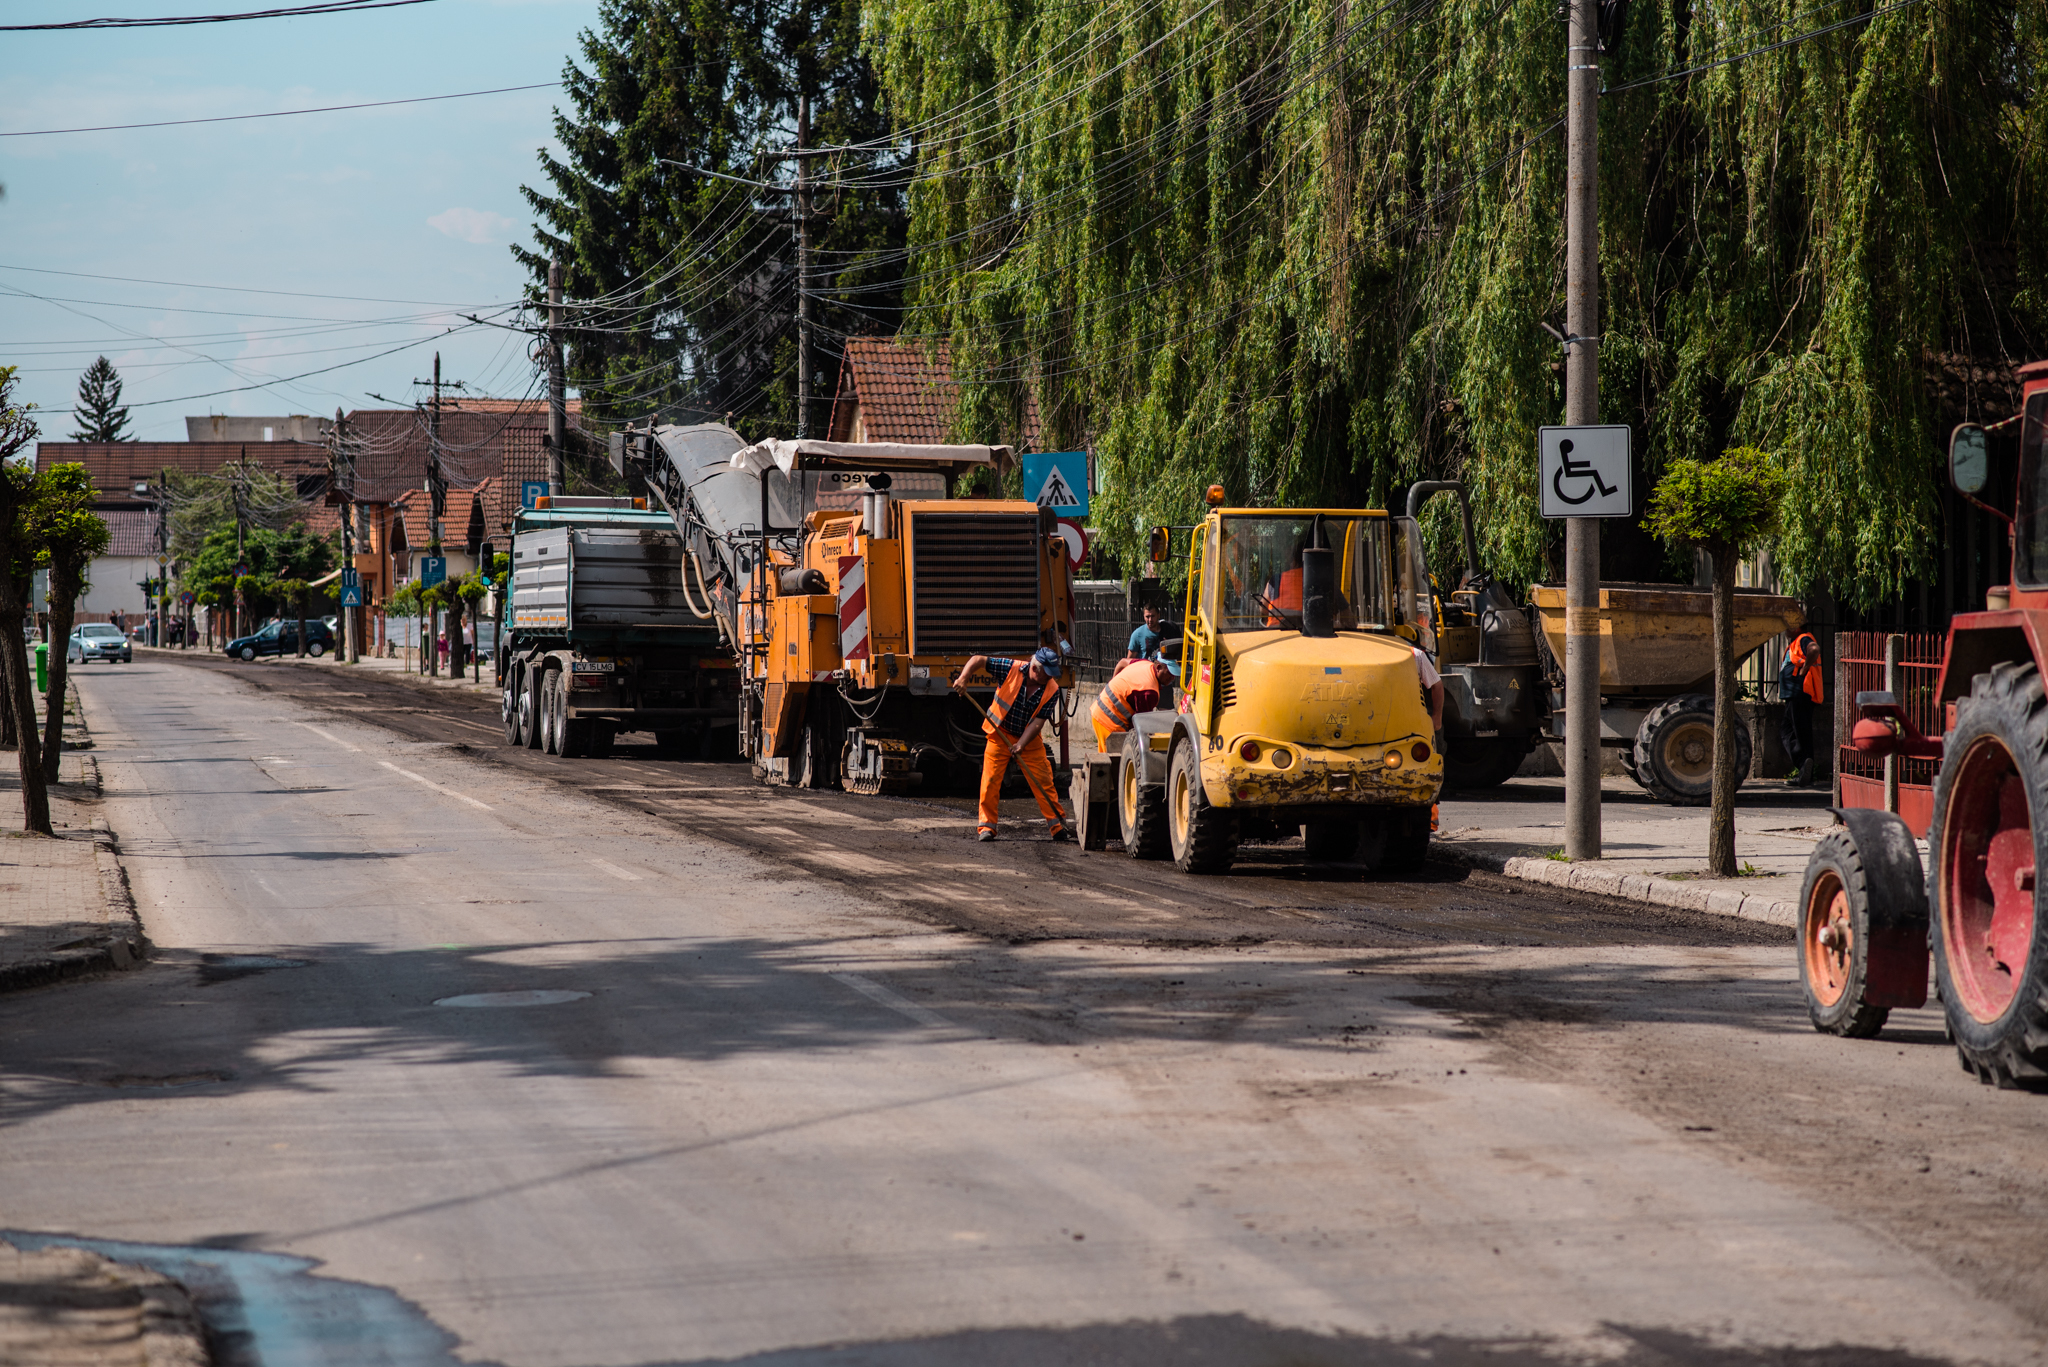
(1302, 702)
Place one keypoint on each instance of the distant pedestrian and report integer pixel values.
(1145, 639)
(1028, 694)
(441, 649)
(1799, 683)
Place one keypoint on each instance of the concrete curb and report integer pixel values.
(124, 945)
(1594, 881)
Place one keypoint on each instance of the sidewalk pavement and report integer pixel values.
(65, 908)
(65, 1307)
(1650, 852)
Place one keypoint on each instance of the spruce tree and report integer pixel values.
(99, 414)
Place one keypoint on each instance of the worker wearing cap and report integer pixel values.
(1136, 687)
(1028, 694)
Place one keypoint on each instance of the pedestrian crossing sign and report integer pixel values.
(1057, 480)
(352, 596)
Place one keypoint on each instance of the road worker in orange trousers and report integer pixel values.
(1027, 696)
(1139, 686)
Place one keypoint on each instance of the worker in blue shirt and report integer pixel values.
(1145, 639)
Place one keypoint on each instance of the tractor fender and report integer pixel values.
(1897, 891)
(1137, 747)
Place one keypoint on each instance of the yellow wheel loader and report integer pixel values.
(1302, 703)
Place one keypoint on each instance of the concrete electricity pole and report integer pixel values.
(803, 268)
(558, 401)
(345, 479)
(1582, 408)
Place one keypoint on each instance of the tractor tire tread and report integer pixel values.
(1852, 1017)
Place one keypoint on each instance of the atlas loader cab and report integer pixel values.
(1301, 703)
(1868, 918)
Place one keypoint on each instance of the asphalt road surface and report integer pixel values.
(454, 1053)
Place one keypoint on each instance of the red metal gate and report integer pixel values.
(1859, 668)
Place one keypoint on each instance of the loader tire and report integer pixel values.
(1838, 926)
(1204, 838)
(1988, 838)
(1141, 811)
(1394, 840)
(1330, 842)
(1674, 751)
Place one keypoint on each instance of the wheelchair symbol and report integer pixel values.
(1578, 469)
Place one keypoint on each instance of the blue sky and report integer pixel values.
(415, 203)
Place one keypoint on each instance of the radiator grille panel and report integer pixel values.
(975, 583)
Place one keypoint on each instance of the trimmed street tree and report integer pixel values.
(17, 485)
(67, 536)
(1727, 508)
(99, 413)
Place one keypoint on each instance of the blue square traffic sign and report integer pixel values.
(352, 595)
(1057, 480)
(433, 570)
(531, 491)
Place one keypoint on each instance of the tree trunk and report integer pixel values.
(7, 735)
(63, 607)
(1721, 824)
(21, 703)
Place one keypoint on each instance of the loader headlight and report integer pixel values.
(1393, 759)
(1283, 758)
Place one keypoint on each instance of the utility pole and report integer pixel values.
(163, 557)
(558, 401)
(803, 268)
(345, 480)
(1582, 408)
(241, 526)
(437, 494)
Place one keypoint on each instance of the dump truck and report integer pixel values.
(1301, 701)
(851, 587)
(598, 636)
(1656, 673)
(1870, 917)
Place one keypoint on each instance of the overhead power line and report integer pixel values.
(281, 113)
(180, 20)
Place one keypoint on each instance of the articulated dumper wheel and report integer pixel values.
(1674, 756)
(1486, 762)
(1394, 839)
(1863, 925)
(1204, 838)
(1140, 809)
(1330, 842)
(1990, 817)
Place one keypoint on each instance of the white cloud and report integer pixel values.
(471, 225)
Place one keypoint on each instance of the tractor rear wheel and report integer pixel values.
(1140, 810)
(1987, 838)
(1204, 838)
(1674, 751)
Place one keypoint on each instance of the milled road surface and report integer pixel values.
(809, 1078)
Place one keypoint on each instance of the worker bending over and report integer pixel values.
(1139, 686)
(1027, 696)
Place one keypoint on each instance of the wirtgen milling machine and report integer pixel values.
(852, 608)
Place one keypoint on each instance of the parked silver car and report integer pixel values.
(99, 641)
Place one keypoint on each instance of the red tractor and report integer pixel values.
(1869, 914)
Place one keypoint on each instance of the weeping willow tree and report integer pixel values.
(1303, 247)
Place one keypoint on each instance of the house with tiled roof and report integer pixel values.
(898, 392)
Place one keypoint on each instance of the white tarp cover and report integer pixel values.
(872, 455)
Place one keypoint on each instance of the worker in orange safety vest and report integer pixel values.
(1139, 686)
(1800, 683)
(1029, 693)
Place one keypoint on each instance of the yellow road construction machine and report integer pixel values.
(1302, 702)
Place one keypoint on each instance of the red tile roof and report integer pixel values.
(899, 393)
(130, 531)
(118, 466)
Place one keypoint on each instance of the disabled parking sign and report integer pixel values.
(1584, 471)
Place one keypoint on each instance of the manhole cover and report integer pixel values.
(539, 997)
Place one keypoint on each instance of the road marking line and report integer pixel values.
(624, 875)
(330, 738)
(875, 992)
(494, 730)
(445, 792)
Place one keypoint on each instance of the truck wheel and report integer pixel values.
(1484, 763)
(576, 732)
(1204, 838)
(1141, 810)
(508, 705)
(1394, 840)
(554, 706)
(1330, 842)
(1862, 926)
(1675, 751)
(1990, 940)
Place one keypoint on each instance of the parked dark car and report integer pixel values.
(282, 638)
(99, 641)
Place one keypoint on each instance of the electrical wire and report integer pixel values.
(180, 21)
